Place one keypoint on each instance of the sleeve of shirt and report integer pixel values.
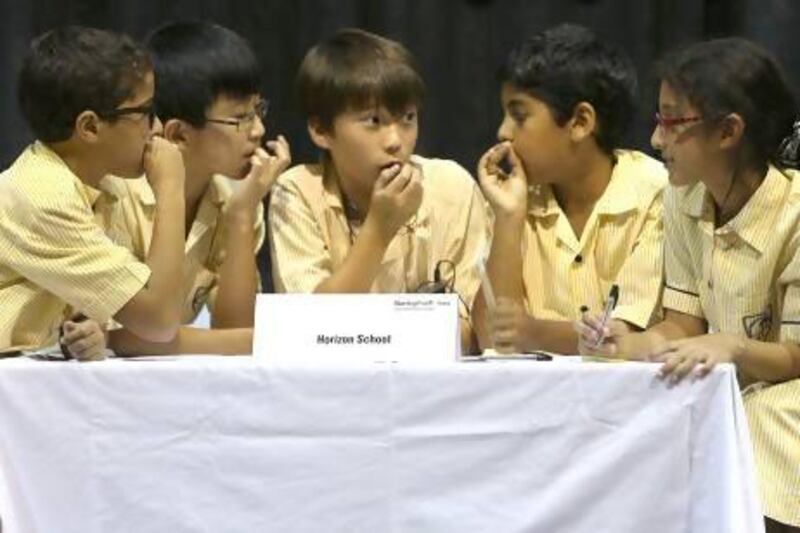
(680, 289)
(641, 277)
(57, 244)
(300, 259)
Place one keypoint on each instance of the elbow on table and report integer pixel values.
(160, 327)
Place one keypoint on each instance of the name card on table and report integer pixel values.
(366, 327)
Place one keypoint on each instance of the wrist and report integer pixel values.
(509, 220)
(241, 214)
(740, 348)
(377, 230)
(637, 345)
(167, 190)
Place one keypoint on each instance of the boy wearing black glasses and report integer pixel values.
(207, 95)
(87, 96)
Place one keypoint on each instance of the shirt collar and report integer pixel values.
(209, 211)
(755, 221)
(216, 193)
(89, 193)
(619, 196)
(218, 190)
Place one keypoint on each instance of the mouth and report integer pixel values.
(389, 165)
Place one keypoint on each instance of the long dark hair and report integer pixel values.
(734, 75)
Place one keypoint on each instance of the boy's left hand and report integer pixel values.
(506, 192)
(704, 352)
(86, 340)
(264, 170)
(506, 324)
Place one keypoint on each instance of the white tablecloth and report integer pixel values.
(233, 445)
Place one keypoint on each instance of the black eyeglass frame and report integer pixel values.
(149, 110)
(260, 111)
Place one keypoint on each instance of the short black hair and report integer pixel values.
(355, 69)
(568, 64)
(195, 63)
(72, 69)
(734, 75)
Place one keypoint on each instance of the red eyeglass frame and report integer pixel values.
(666, 122)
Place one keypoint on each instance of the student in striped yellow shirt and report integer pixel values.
(207, 95)
(732, 237)
(87, 96)
(575, 214)
(373, 217)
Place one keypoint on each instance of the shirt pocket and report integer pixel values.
(758, 316)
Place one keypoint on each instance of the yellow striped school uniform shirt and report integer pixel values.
(132, 224)
(54, 255)
(744, 278)
(310, 235)
(621, 243)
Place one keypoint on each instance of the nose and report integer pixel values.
(391, 139)
(657, 138)
(504, 131)
(258, 129)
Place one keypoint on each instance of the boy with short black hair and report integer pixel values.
(87, 96)
(584, 214)
(208, 97)
(372, 217)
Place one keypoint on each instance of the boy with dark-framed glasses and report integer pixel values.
(87, 96)
(208, 97)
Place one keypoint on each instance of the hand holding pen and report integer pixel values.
(597, 334)
(611, 303)
(82, 338)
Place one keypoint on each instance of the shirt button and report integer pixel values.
(710, 284)
(579, 258)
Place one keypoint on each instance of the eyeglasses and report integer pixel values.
(244, 123)
(148, 110)
(667, 123)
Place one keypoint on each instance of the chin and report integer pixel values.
(243, 171)
(130, 174)
(678, 179)
(236, 174)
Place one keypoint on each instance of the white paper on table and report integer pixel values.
(363, 327)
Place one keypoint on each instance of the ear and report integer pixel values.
(583, 122)
(731, 130)
(178, 132)
(319, 135)
(87, 126)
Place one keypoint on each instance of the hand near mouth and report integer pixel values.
(396, 197)
(163, 165)
(265, 168)
(506, 192)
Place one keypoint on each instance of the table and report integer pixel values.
(237, 445)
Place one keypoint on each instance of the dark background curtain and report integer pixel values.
(459, 45)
